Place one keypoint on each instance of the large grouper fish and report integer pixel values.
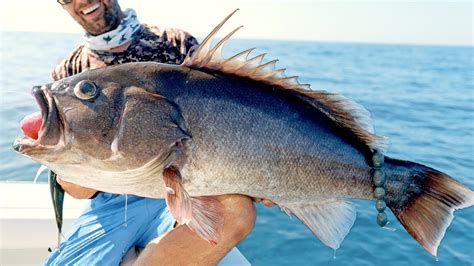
(214, 126)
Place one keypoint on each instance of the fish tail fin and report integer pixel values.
(424, 200)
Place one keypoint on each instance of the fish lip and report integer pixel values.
(43, 105)
(49, 126)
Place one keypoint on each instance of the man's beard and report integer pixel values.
(110, 20)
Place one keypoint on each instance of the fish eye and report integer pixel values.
(85, 90)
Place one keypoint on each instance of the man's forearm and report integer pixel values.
(76, 191)
(181, 246)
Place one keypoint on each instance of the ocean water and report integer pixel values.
(422, 97)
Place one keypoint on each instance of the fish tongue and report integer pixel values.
(31, 124)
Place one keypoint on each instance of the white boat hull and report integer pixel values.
(28, 227)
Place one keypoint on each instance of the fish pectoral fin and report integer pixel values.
(207, 218)
(330, 220)
(203, 215)
(176, 197)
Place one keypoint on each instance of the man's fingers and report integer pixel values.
(267, 203)
(59, 180)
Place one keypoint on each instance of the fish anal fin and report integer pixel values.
(203, 215)
(330, 220)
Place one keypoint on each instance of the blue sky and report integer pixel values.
(412, 22)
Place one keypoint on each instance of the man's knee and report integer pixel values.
(239, 216)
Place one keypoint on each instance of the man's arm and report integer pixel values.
(174, 44)
(70, 65)
(76, 191)
(181, 39)
(181, 246)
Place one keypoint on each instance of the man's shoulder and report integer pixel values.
(173, 36)
(161, 44)
(161, 31)
(70, 65)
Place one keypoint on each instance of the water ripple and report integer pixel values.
(421, 97)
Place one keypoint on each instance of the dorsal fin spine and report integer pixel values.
(344, 112)
(240, 57)
(277, 74)
(292, 81)
(215, 54)
(235, 62)
(269, 68)
(252, 63)
(305, 86)
(206, 43)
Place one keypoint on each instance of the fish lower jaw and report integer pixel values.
(25, 144)
(29, 146)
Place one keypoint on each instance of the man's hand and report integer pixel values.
(76, 191)
(181, 246)
(267, 203)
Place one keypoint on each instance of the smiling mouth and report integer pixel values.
(90, 9)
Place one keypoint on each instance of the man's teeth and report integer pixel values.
(91, 9)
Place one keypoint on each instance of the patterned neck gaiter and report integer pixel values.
(114, 38)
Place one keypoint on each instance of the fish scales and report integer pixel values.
(215, 126)
(253, 136)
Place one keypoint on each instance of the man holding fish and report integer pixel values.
(115, 223)
(220, 126)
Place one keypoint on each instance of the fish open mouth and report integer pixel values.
(40, 129)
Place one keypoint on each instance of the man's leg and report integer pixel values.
(106, 230)
(181, 246)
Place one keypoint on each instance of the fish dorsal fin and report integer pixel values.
(329, 220)
(210, 58)
(344, 112)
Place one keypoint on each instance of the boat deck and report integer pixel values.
(28, 227)
(27, 223)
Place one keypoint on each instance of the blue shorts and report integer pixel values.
(107, 229)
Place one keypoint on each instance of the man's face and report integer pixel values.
(95, 16)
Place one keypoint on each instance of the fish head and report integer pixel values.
(106, 122)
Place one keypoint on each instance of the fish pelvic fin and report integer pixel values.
(203, 215)
(426, 204)
(57, 197)
(329, 220)
(347, 114)
(40, 170)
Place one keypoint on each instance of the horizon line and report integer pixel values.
(470, 45)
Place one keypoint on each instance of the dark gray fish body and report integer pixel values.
(217, 126)
(250, 133)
